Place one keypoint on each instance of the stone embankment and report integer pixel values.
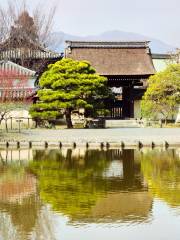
(92, 138)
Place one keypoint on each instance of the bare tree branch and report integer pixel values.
(13, 15)
(174, 57)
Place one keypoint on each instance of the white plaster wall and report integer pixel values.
(178, 116)
(137, 109)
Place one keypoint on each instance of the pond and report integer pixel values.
(71, 194)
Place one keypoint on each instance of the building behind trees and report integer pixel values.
(127, 65)
(23, 58)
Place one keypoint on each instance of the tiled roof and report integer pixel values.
(18, 53)
(102, 44)
(161, 56)
(17, 69)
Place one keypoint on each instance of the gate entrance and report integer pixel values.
(123, 105)
(127, 65)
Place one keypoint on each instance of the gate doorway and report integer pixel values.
(122, 106)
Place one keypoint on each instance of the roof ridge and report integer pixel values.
(104, 44)
(102, 41)
(18, 66)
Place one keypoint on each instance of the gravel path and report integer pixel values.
(128, 135)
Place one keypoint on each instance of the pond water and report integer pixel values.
(94, 194)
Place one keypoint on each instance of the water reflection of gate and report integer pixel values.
(86, 184)
(73, 183)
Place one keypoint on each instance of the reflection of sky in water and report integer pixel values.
(115, 169)
(89, 195)
(164, 225)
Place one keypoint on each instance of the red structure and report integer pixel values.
(16, 82)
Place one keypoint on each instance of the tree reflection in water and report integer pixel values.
(20, 206)
(162, 172)
(93, 186)
(81, 187)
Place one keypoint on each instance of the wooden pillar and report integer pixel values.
(128, 102)
(128, 165)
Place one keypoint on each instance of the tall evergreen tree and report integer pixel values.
(69, 85)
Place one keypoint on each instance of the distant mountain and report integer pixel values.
(156, 46)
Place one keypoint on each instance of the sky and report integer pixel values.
(153, 18)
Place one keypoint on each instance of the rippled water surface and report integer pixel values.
(90, 195)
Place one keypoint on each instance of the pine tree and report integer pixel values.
(68, 85)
